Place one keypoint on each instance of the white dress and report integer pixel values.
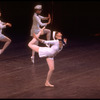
(1, 27)
(50, 51)
(37, 23)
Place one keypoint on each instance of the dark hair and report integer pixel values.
(56, 34)
(36, 10)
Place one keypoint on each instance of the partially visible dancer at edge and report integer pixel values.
(4, 38)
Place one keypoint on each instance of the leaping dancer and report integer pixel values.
(4, 38)
(48, 52)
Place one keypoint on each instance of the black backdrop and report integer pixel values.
(73, 18)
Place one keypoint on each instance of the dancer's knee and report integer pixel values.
(49, 32)
(8, 40)
(52, 69)
(29, 44)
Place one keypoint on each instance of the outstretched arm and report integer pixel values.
(8, 24)
(4, 25)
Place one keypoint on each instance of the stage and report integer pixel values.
(76, 75)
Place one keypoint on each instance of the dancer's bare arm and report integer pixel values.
(8, 24)
(65, 40)
(46, 18)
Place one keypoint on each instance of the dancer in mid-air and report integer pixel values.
(4, 38)
(48, 52)
(37, 23)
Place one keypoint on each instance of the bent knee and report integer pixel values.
(52, 69)
(29, 44)
(9, 40)
(49, 31)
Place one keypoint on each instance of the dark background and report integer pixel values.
(73, 18)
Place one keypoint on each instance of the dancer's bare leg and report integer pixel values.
(7, 42)
(48, 33)
(36, 43)
(33, 53)
(50, 63)
(33, 46)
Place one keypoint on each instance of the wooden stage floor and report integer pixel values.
(76, 75)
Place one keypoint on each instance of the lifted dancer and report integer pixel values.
(4, 38)
(48, 52)
(36, 26)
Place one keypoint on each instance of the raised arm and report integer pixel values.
(43, 24)
(39, 21)
(45, 18)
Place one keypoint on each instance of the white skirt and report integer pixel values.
(2, 36)
(45, 52)
(34, 31)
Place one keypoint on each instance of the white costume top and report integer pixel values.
(2, 26)
(50, 51)
(2, 36)
(37, 23)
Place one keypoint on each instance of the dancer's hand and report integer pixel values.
(65, 40)
(49, 21)
(8, 24)
(49, 16)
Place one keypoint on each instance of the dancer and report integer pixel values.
(36, 26)
(48, 52)
(4, 38)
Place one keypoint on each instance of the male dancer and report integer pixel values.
(36, 26)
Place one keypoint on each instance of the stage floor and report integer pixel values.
(76, 75)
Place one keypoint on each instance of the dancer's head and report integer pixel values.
(57, 35)
(38, 9)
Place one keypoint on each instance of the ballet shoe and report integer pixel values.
(49, 85)
(32, 59)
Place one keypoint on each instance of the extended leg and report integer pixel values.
(33, 52)
(7, 42)
(33, 46)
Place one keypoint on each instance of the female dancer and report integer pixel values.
(37, 24)
(4, 38)
(48, 52)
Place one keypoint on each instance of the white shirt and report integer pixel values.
(54, 49)
(2, 26)
(37, 23)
